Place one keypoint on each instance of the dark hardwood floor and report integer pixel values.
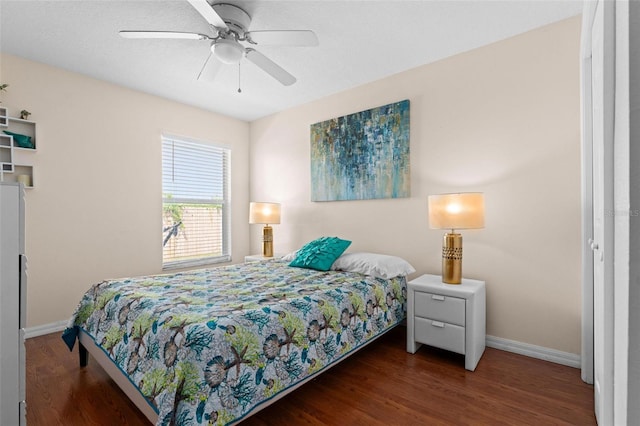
(380, 385)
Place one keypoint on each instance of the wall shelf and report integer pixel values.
(4, 119)
(15, 161)
(6, 154)
(22, 173)
(23, 127)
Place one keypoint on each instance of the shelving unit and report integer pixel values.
(4, 118)
(6, 154)
(23, 174)
(15, 161)
(24, 127)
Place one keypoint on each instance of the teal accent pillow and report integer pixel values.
(23, 141)
(320, 254)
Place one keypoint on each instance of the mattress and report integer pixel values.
(211, 346)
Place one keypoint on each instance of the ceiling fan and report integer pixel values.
(230, 25)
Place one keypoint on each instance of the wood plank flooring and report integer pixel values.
(380, 385)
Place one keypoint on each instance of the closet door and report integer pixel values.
(602, 108)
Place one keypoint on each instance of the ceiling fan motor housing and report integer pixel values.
(236, 18)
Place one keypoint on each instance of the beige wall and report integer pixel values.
(504, 120)
(96, 210)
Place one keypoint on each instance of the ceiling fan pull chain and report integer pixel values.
(239, 89)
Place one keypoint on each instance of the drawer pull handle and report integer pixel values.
(437, 324)
(437, 297)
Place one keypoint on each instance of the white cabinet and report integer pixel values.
(12, 305)
(447, 316)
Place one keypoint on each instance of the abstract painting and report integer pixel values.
(362, 156)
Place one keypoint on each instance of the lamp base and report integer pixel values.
(452, 258)
(267, 241)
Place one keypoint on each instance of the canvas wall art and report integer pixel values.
(362, 156)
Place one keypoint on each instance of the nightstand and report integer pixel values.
(447, 316)
(259, 257)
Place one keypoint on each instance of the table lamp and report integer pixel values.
(455, 211)
(265, 213)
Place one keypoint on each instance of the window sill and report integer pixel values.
(183, 264)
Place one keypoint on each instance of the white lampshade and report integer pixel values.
(456, 211)
(267, 213)
(228, 51)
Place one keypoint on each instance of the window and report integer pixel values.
(195, 203)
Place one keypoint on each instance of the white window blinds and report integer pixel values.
(195, 205)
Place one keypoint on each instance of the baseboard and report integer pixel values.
(533, 351)
(40, 330)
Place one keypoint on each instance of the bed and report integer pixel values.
(213, 346)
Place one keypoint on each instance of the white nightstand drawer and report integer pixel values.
(439, 334)
(441, 308)
(451, 317)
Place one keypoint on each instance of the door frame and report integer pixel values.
(622, 203)
(619, 91)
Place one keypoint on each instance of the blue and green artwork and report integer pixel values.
(362, 156)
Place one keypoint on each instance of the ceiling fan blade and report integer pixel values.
(270, 67)
(204, 8)
(163, 34)
(210, 68)
(283, 37)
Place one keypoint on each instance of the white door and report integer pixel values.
(602, 74)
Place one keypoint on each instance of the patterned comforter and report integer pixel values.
(208, 346)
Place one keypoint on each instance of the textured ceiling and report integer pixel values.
(360, 41)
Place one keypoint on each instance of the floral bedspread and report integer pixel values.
(208, 346)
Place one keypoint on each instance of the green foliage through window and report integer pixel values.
(195, 202)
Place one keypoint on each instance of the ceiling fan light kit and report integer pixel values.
(230, 24)
(228, 51)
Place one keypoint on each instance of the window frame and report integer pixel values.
(225, 202)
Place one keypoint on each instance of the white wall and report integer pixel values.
(504, 120)
(95, 212)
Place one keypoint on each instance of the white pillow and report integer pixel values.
(289, 256)
(377, 265)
